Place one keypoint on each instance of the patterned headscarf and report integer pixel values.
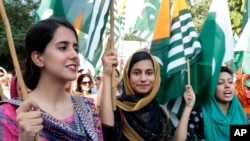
(240, 83)
(129, 106)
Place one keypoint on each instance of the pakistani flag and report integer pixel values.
(68, 10)
(242, 50)
(217, 47)
(145, 23)
(246, 13)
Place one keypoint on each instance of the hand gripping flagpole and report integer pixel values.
(13, 54)
(113, 85)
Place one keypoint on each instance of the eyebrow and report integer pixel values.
(65, 42)
(141, 69)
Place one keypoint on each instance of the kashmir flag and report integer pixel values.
(118, 22)
(146, 20)
(242, 50)
(217, 47)
(119, 10)
(183, 45)
(97, 26)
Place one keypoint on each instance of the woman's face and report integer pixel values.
(225, 88)
(3, 78)
(60, 58)
(86, 84)
(142, 77)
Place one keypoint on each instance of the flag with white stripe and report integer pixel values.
(184, 42)
(146, 20)
(97, 25)
(183, 45)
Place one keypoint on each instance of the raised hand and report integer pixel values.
(189, 96)
(29, 120)
(109, 58)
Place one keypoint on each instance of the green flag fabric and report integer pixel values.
(97, 26)
(242, 50)
(88, 17)
(246, 13)
(183, 45)
(160, 43)
(119, 22)
(145, 24)
(217, 44)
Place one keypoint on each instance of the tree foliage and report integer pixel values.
(21, 16)
(199, 10)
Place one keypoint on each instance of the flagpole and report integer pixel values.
(113, 84)
(121, 61)
(13, 54)
(1, 92)
(188, 72)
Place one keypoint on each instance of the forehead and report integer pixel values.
(86, 78)
(143, 65)
(63, 33)
(225, 75)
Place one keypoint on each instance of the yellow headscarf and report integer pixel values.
(130, 106)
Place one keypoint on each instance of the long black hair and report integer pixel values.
(37, 38)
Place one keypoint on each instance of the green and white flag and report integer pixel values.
(242, 50)
(246, 13)
(146, 20)
(97, 26)
(183, 45)
(217, 47)
(92, 17)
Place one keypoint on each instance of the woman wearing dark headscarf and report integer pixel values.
(138, 115)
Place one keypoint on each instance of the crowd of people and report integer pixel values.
(68, 103)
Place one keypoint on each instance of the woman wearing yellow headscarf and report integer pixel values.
(138, 115)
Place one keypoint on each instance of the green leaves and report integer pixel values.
(21, 17)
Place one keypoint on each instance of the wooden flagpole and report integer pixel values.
(113, 85)
(13, 51)
(188, 72)
(13, 54)
(1, 92)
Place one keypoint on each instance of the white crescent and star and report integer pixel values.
(146, 4)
